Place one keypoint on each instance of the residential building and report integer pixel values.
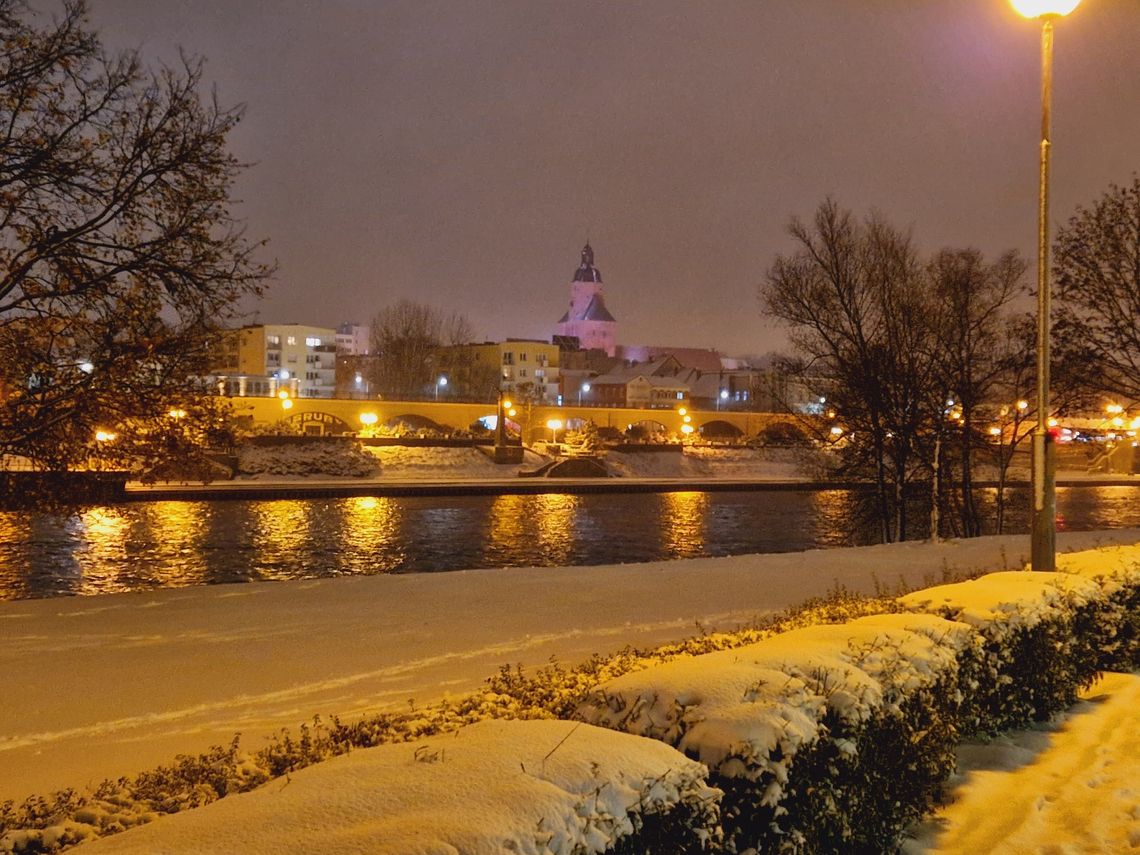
(353, 339)
(523, 366)
(265, 359)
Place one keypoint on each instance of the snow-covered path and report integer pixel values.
(116, 684)
(1071, 787)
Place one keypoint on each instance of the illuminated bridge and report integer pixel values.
(337, 415)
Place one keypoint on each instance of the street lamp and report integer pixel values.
(1043, 533)
(585, 387)
(555, 425)
(442, 381)
(723, 396)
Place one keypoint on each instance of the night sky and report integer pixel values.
(460, 152)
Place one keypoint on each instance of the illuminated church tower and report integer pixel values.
(588, 318)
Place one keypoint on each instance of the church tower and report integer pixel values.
(588, 318)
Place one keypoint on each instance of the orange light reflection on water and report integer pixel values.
(546, 519)
(683, 523)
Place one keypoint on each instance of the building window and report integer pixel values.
(522, 372)
(291, 339)
(508, 358)
(274, 340)
(312, 341)
(522, 356)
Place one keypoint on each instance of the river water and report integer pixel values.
(140, 546)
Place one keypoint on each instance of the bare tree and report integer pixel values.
(407, 338)
(119, 258)
(1098, 277)
(858, 317)
(969, 300)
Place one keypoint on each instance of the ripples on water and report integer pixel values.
(173, 544)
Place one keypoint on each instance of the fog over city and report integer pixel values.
(461, 153)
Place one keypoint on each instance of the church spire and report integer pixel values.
(586, 271)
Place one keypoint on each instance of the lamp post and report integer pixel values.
(442, 381)
(1043, 533)
(585, 387)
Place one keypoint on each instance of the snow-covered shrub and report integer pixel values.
(536, 787)
(1117, 571)
(1039, 634)
(314, 456)
(802, 728)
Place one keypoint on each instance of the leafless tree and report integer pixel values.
(970, 302)
(1098, 290)
(851, 294)
(119, 258)
(407, 338)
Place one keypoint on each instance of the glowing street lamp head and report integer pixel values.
(105, 436)
(554, 424)
(442, 381)
(585, 387)
(369, 418)
(1044, 8)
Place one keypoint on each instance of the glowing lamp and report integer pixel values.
(1044, 8)
(286, 404)
(369, 418)
(554, 424)
(686, 429)
(105, 435)
(177, 414)
(283, 394)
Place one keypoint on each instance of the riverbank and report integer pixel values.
(120, 683)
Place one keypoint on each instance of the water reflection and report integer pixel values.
(517, 526)
(370, 535)
(683, 523)
(159, 544)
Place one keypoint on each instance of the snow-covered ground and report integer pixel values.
(1068, 787)
(412, 463)
(120, 683)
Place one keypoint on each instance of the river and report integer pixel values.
(146, 545)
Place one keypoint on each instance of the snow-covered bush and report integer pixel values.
(527, 787)
(801, 730)
(315, 456)
(1039, 637)
(1117, 572)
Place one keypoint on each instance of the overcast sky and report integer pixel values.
(460, 152)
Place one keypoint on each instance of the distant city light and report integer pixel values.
(369, 418)
(105, 435)
(177, 414)
(86, 367)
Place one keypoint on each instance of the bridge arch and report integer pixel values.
(720, 429)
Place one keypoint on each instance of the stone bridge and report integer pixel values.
(339, 415)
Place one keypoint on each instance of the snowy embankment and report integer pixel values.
(325, 459)
(837, 695)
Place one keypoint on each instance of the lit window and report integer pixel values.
(313, 341)
(291, 339)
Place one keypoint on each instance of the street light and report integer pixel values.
(442, 381)
(555, 425)
(1043, 533)
(723, 396)
(585, 387)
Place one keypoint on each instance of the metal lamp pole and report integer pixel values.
(1043, 532)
